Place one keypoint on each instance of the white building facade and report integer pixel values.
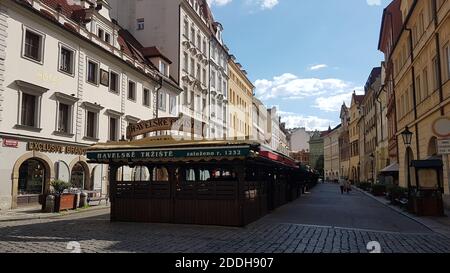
(68, 79)
(218, 83)
(186, 32)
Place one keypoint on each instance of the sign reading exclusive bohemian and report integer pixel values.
(182, 124)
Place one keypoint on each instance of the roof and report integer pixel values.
(152, 52)
(358, 98)
(392, 18)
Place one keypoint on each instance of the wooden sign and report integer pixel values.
(183, 124)
(55, 148)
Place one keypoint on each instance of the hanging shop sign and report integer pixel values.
(182, 124)
(443, 146)
(167, 154)
(55, 148)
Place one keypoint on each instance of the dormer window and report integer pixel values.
(163, 68)
(140, 24)
(107, 38)
(100, 33)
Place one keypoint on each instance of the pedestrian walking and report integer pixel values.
(348, 186)
(342, 184)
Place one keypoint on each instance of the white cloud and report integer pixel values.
(374, 2)
(262, 4)
(333, 103)
(318, 67)
(311, 123)
(290, 86)
(219, 2)
(268, 4)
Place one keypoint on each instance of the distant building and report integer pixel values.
(302, 157)
(299, 139)
(316, 148)
(331, 154)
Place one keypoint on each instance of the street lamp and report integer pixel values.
(407, 138)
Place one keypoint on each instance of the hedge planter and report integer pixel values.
(379, 190)
(65, 202)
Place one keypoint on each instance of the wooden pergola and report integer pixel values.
(228, 183)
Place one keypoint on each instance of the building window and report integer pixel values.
(131, 90)
(140, 24)
(33, 45)
(29, 110)
(92, 73)
(193, 35)
(66, 60)
(113, 126)
(108, 38)
(192, 72)
(162, 101)
(435, 73)
(100, 33)
(213, 79)
(198, 76)
(172, 105)
(186, 28)
(146, 97)
(91, 124)
(204, 76)
(64, 113)
(162, 68)
(425, 83)
(186, 62)
(113, 82)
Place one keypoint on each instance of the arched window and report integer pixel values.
(32, 175)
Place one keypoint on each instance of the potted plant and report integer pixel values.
(63, 200)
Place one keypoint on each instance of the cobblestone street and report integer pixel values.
(320, 222)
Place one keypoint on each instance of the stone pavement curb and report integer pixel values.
(429, 224)
(50, 216)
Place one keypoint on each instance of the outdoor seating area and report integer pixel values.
(205, 183)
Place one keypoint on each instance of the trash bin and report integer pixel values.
(50, 204)
(83, 199)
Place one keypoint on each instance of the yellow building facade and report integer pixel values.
(240, 102)
(422, 84)
(354, 132)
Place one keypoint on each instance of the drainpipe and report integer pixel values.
(438, 56)
(413, 74)
(160, 85)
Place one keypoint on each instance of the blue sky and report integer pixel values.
(304, 56)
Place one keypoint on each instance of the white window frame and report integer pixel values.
(42, 44)
(69, 101)
(162, 105)
(118, 82)
(140, 23)
(97, 83)
(94, 108)
(60, 47)
(149, 97)
(135, 90)
(34, 90)
(117, 121)
(172, 105)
